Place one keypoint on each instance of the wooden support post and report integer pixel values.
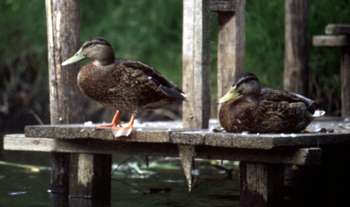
(338, 35)
(63, 39)
(91, 178)
(335, 175)
(261, 185)
(187, 154)
(195, 64)
(63, 24)
(345, 81)
(231, 44)
(296, 49)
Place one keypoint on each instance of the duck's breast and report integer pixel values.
(237, 116)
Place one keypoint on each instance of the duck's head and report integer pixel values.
(247, 84)
(97, 49)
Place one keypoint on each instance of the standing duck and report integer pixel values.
(249, 107)
(125, 85)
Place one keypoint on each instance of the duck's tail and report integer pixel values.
(173, 93)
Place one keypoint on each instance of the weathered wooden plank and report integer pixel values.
(345, 81)
(200, 137)
(258, 141)
(195, 64)
(337, 29)
(330, 40)
(223, 5)
(302, 156)
(296, 46)
(261, 185)
(62, 39)
(231, 46)
(88, 132)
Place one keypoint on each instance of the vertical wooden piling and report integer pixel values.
(63, 25)
(296, 48)
(62, 39)
(338, 35)
(231, 42)
(90, 177)
(195, 64)
(261, 185)
(345, 81)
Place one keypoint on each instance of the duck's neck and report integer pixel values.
(100, 63)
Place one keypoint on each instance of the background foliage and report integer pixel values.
(150, 30)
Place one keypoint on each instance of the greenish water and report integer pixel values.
(161, 183)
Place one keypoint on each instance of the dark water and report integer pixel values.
(133, 184)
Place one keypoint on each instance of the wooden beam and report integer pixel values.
(302, 156)
(261, 185)
(63, 40)
(223, 5)
(231, 46)
(330, 41)
(296, 46)
(192, 137)
(345, 81)
(337, 29)
(195, 64)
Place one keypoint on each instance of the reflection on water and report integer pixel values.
(161, 183)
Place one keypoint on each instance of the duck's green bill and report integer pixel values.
(78, 56)
(232, 94)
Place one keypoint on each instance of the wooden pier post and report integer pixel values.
(338, 35)
(195, 64)
(63, 26)
(296, 49)
(231, 41)
(63, 31)
(261, 184)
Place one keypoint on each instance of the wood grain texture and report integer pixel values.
(92, 176)
(337, 29)
(345, 81)
(261, 185)
(195, 64)
(330, 40)
(296, 47)
(194, 137)
(223, 5)
(293, 155)
(231, 46)
(63, 24)
(63, 40)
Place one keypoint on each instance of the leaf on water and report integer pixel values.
(31, 168)
(18, 193)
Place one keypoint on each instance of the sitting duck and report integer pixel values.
(247, 107)
(125, 85)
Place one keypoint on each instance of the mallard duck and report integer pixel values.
(125, 85)
(249, 107)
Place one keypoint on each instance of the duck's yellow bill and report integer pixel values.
(78, 56)
(232, 94)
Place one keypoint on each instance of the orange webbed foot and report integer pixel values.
(124, 131)
(114, 123)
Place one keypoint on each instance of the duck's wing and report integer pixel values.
(290, 97)
(282, 116)
(150, 76)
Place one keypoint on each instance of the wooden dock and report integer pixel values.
(263, 157)
(81, 155)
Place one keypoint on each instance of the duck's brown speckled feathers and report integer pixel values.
(268, 111)
(127, 85)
